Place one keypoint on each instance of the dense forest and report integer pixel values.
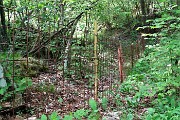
(89, 59)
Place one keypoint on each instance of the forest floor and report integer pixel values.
(52, 92)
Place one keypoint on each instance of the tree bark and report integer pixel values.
(178, 2)
(3, 26)
(143, 10)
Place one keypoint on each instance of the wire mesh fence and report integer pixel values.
(46, 67)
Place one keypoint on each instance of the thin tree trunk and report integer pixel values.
(143, 10)
(178, 2)
(3, 26)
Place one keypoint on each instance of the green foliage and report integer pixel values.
(130, 116)
(10, 70)
(43, 117)
(53, 116)
(79, 114)
(154, 82)
(104, 103)
(60, 100)
(92, 104)
(68, 117)
(115, 14)
(92, 114)
(155, 77)
(79, 58)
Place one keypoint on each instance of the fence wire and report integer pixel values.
(47, 70)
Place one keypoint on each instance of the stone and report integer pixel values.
(1, 71)
(3, 82)
(112, 116)
(32, 118)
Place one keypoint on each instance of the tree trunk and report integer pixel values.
(143, 10)
(3, 33)
(178, 2)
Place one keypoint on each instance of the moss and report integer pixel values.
(32, 67)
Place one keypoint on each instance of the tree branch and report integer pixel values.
(61, 31)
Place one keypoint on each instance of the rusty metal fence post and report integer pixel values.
(95, 65)
(95, 62)
(120, 61)
(132, 55)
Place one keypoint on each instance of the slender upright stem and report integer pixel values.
(95, 62)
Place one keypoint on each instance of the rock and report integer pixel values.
(32, 118)
(112, 116)
(1, 71)
(3, 82)
(6, 104)
(31, 67)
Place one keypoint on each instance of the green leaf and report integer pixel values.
(2, 91)
(54, 116)
(69, 1)
(95, 111)
(43, 117)
(104, 103)
(41, 5)
(173, 102)
(80, 113)
(60, 100)
(162, 0)
(139, 28)
(130, 116)
(68, 117)
(177, 11)
(151, 110)
(149, 117)
(92, 104)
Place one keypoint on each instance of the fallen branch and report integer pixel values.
(61, 32)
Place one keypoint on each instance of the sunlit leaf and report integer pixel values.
(93, 104)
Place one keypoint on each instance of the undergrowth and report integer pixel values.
(14, 82)
(152, 89)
